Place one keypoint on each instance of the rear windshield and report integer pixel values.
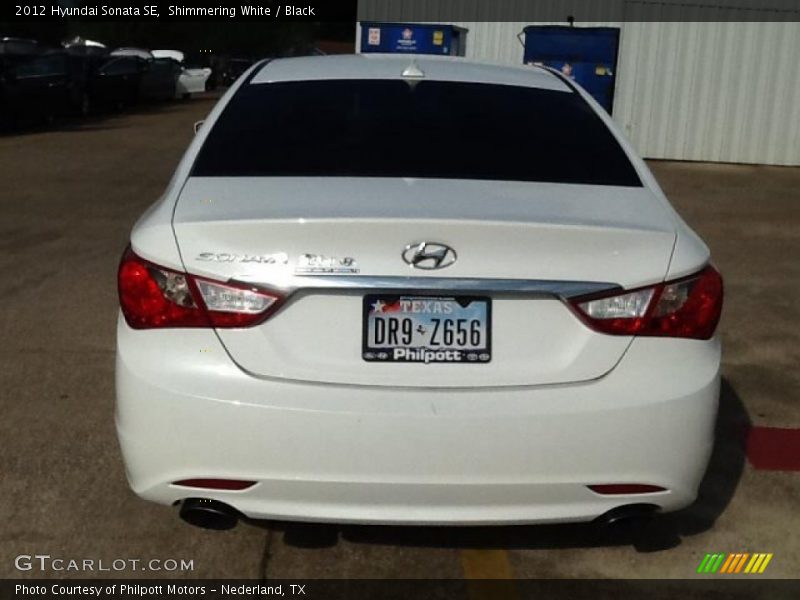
(427, 129)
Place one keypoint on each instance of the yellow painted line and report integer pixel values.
(760, 558)
(741, 562)
(753, 562)
(480, 565)
(486, 564)
(764, 564)
(728, 561)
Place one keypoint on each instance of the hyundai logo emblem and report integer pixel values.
(429, 256)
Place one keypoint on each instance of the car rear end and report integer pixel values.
(447, 294)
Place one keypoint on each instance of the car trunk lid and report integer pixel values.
(334, 240)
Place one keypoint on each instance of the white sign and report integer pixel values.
(374, 38)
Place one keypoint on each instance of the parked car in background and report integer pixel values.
(130, 75)
(42, 86)
(39, 82)
(160, 79)
(11, 51)
(157, 77)
(89, 46)
(191, 80)
(10, 46)
(14, 50)
(86, 57)
(136, 52)
(116, 82)
(234, 68)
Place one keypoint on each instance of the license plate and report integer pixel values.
(427, 329)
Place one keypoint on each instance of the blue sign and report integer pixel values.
(586, 54)
(411, 38)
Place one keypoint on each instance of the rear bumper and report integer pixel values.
(413, 456)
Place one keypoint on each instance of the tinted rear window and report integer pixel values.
(389, 128)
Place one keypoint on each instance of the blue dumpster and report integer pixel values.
(586, 54)
(447, 40)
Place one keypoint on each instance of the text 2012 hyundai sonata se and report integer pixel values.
(392, 290)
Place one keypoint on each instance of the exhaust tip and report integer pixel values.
(209, 514)
(629, 516)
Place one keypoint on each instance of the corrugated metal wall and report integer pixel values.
(720, 91)
(724, 92)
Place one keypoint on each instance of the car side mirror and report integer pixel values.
(197, 126)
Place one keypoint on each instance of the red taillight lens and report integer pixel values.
(689, 307)
(153, 296)
(611, 489)
(216, 484)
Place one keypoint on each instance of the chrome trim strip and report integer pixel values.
(531, 287)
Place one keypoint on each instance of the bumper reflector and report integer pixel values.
(216, 484)
(625, 488)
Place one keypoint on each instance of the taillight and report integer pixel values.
(689, 307)
(216, 484)
(625, 488)
(153, 296)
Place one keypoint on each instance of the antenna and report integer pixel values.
(412, 71)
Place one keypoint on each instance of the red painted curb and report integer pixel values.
(774, 449)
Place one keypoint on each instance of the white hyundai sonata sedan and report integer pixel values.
(417, 291)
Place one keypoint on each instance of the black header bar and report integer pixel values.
(153, 10)
(436, 11)
(720, 587)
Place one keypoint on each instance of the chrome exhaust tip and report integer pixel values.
(209, 514)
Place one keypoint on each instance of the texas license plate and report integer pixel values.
(427, 329)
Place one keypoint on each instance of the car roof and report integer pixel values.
(16, 39)
(19, 46)
(176, 55)
(389, 66)
(137, 52)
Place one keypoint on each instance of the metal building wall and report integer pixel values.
(720, 91)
